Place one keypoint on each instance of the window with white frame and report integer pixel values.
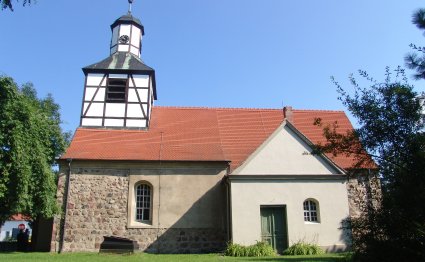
(143, 194)
(311, 211)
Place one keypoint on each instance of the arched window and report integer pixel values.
(143, 194)
(311, 211)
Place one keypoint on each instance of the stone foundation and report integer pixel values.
(168, 241)
(175, 240)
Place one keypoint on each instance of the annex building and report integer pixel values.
(181, 179)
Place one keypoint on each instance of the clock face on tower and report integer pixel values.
(124, 39)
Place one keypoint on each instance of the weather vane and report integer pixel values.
(130, 2)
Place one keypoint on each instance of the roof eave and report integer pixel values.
(293, 177)
(128, 22)
(88, 70)
(67, 158)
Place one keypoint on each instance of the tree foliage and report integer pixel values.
(30, 140)
(7, 4)
(387, 112)
(391, 132)
(416, 59)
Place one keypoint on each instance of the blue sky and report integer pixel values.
(221, 53)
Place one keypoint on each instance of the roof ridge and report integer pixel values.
(247, 108)
(319, 110)
(219, 108)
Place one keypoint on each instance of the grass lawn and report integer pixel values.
(93, 257)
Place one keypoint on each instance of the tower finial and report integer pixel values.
(130, 2)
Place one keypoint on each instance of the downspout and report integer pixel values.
(65, 206)
(159, 195)
(229, 205)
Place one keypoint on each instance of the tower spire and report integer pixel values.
(127, 32)
(130, 2)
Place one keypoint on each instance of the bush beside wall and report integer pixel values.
(301, 248)
(261, 249)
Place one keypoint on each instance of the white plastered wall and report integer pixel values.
(248, 197)
(96, 84)
(179, 197)
(284, 152)
(134, 94)
(92, 122)
(96, 80)
(133, 45)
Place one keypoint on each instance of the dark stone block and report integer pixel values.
(195, 245)
(113, 244)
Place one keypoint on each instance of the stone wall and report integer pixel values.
(364, 194)
(179, 240)
(97, 207)
(58, 219)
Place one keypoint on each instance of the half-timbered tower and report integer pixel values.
(119, 90)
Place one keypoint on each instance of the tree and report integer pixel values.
(7, 4)
(30, 140)
(416, 59)
(391, 132)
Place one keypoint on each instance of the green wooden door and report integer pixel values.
(273, 227)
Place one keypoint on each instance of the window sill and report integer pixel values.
(134, 224)
(311, 223)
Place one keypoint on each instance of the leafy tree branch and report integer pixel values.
(391, 133)
(7, 4)
(30, 140)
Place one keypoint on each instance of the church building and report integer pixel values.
(191, 179)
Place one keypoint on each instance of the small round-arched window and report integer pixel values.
(143, 193)
(311, 211)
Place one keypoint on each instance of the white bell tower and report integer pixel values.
(120, 90)
(127, 33)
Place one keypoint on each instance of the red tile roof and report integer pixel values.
(19, 217)
(199, 134)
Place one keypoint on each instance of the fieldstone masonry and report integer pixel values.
(97, 206)
(364, 194)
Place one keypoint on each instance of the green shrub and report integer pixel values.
(235, 250)
(9, 239)
(301, 248)
(261, 249)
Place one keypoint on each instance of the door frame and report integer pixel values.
(285, 226)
